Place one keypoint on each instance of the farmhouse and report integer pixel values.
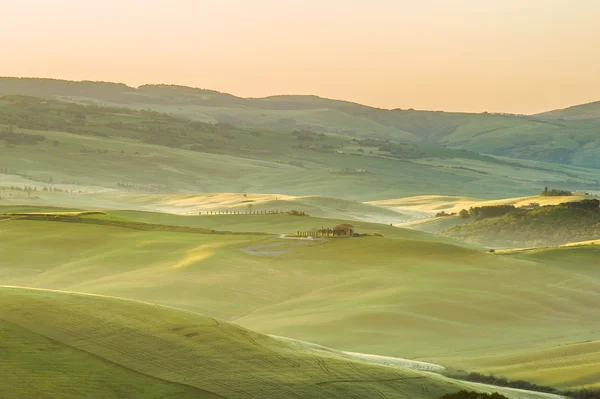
(344, 229)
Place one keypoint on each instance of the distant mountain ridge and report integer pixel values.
(568, 136)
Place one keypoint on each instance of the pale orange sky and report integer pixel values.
(521, 56)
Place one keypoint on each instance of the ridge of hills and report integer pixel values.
(563, 136)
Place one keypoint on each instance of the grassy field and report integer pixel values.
(563, 366)
(102, 347)
(408, 294)
(570, 364)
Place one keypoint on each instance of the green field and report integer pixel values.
(407, 294)
(97, 346)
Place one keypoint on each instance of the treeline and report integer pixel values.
(484, 212)
(444, 214)
(28, 189)
(12, 138)
(539, 226)
(154, 188)
(417, 151)
(555, 193)
(307, 135)
(252, 212)
(473, 395)
(529, 386)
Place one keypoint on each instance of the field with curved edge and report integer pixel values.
(407, 294)
(112, 348)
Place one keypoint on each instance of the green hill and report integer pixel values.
(408, 294)
(551, 137)
(543, 226)
(47, 144)
(67, 345)
(578, 112)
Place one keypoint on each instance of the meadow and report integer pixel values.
(407, 294)
(97, 346)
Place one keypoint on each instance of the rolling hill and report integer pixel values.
(550, 137)
(408, 294)
(94, 346)
(578, 112)
(149, 248)
(48, 144)
(541, 226)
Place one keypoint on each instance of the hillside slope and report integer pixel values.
(543, 226)
(56, 145)
(144, 351)
(577, 112)
(407, 294)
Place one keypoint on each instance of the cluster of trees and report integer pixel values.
(529, 386)
(416, 151)
(473, 395)
(29, 189)
(485, 212)
(337, 231)
(589, 204)
(317, 147)
(294, 212)
(156, 188)
(444, 214)
(556, 193)
(350, 171)
(85, 150)
(307, 135)
(12, 138)
(247, 212)
(546, 225)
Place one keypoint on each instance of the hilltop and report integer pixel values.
(578, 112)
(566, 136)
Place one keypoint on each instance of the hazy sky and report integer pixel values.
(467, 55)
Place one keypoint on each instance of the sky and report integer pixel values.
(519, 56)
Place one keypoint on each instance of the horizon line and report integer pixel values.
(293, 95)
